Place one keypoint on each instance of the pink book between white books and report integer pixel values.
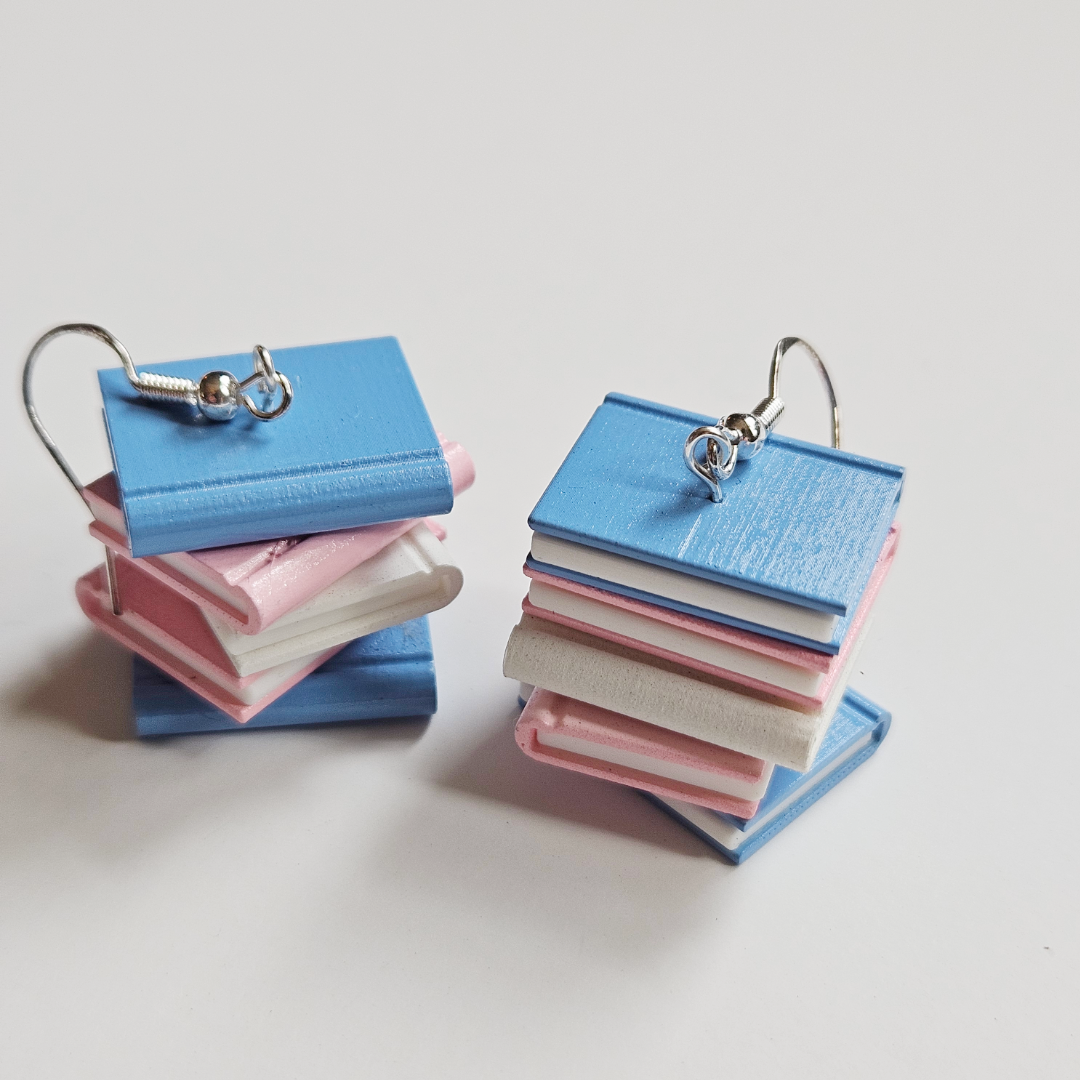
(802, 678)
(250, 586)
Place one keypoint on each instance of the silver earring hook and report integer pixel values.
(741, 435)
(117, 347)
(266, 375)
(218, 394)
(90, 330)
(779, 353)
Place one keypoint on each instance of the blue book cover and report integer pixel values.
(799, 522)
(387, 674)
(854, 735)
(355, 448)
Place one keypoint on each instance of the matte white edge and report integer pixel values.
(643, 688)
(660, 581)
(266, 683)
(675, 639)
(189, 567)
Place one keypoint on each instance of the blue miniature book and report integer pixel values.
(854, 735)
(355, 448)
(387, 674)
(799, 523)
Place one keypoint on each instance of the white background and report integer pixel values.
(545, 204)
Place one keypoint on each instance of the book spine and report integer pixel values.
(265, 508)
(371, 691)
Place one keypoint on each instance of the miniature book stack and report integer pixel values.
(278, 573)
(701, 651)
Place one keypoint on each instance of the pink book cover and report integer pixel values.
(831, 666)
(168, 630)
(546, 711)
(252, 585)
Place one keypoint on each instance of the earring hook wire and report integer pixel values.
(739, 436)
(781, 350)
(89, 330)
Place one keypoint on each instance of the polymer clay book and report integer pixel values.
(320, 626)
(356, 447)
(787, 554)
(248, 587)
(698, 594)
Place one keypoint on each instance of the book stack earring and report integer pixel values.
(701, 651)
(274, 574)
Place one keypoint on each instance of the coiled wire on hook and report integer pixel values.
(218, 395)
(741, 435)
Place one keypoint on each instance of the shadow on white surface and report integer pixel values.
(495, 768)
(498, 843)
(76, 773)
(86, 686)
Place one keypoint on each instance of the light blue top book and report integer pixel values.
(854, 735)
(384, 675)
(355, 448)
(799, 522)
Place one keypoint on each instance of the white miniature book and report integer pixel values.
(669, 695)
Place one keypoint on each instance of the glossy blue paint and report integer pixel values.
(381, 676)
(856, 718)
(356, 448)
(799, 522)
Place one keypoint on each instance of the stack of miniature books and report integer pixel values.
(701, 651)
(277, 573)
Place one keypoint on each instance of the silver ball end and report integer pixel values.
(219, 395)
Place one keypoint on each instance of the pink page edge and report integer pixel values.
(92, 593)
(543, 703)
(730, 635)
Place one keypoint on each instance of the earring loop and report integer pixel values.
(739, 436)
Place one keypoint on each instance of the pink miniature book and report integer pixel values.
(796, 675)
(169, 630)
(573, 735)
(252, 585)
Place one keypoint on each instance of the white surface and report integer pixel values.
(707, 595)
(546, 204)
(728, 834)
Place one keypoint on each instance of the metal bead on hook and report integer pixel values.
(218, 395)
(739, 436)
